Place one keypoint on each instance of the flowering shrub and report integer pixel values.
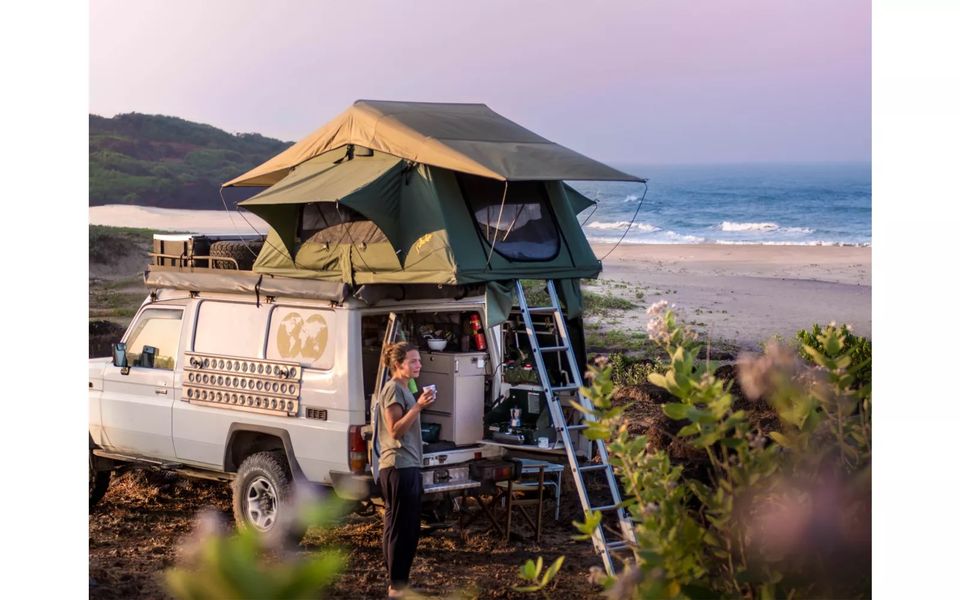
(780, 514)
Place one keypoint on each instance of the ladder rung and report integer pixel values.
(541, 310)
(578, 427)
(594, 467)
(565, 388)
(605, 508)
(554, 348)
(614, 546)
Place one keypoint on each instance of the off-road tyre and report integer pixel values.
(263, 498)
(99, 482)
(245, 253)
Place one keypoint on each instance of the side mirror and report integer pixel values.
(120, 354)
(120, 357)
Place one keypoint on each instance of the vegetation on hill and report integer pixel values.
(155, 160)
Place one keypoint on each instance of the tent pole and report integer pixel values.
(499, 217)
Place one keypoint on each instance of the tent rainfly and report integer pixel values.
(412, 192)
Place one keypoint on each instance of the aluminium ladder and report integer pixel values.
(601, 543)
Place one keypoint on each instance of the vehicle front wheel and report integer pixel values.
(99, 482)
(262, 497)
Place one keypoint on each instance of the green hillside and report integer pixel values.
(154, 160)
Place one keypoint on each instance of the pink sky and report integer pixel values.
(669, 81)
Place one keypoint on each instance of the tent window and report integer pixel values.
(333, 223)
(527, 229)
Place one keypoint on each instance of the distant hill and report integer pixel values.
(154, 160)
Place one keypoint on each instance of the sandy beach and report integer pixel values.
(747, 294)
(743, 294)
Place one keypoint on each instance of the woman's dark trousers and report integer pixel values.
(402, 490)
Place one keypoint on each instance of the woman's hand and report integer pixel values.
(426, 398)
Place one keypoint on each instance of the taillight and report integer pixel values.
(358, 450)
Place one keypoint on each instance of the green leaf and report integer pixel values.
(528, 570)
(676, 410)
(688, 430)
(552, 571)
(780, 439)
(658, 380)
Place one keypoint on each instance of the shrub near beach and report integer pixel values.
(779, 514)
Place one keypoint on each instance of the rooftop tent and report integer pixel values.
(410, 192)
(467, 138)
(367, 217)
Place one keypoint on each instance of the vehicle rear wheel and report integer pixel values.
(263, 497)
(99, 482)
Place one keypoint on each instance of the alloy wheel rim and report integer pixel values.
(261, 504)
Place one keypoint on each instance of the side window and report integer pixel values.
(159, 329)
(303, 335)
(231, 328)
(521, 226)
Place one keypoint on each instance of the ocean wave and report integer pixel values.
(662, 237)
(785, 243)
(732, 226)
(637, 227)
(631, 198)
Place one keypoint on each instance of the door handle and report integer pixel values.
(160, 391)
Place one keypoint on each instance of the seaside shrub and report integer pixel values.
(245, 564)
(859, 349)
(784, 514)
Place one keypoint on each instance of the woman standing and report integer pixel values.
(401, 456)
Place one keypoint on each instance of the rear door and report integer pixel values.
(136, 407)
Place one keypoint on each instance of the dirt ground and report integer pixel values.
(136, 529)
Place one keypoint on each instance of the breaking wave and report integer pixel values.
(731, 226)
(637, 227)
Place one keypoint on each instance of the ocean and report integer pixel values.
(802, 204)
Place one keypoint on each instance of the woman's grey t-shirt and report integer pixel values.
(408, 450)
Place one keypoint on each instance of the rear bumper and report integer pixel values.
(351, 486)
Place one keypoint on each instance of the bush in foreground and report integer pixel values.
(780, 515)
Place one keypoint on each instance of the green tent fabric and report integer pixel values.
(432, 234)
(578, 202)
(369, 185)
(499, 302)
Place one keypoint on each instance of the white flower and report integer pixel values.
(657, 329)
(657, 309)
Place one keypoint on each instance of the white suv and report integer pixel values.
(237, 381)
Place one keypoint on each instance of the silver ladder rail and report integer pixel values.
(601, 544)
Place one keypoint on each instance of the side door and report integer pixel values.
(136, 405)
